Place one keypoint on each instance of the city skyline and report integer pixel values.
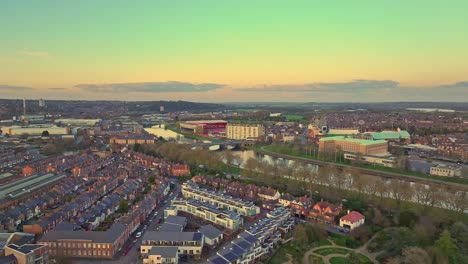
(235, 52)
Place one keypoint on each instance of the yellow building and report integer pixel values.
(445, 171)
(244, 131)
(162, 255)
(210, 213)
(363, 146)
(187, 243)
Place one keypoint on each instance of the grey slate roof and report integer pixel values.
(173, 236)
(165, 252)
(210, 231)
(178, 220)
(168, 227)
(108, 236)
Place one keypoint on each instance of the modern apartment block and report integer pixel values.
(227, 219)
(244, 131)
(245, 208)
(256, 241)
(187, 243)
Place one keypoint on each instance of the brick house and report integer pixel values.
(324, 211)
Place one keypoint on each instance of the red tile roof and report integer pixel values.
(353, 217)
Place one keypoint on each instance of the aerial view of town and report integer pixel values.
(219, 132)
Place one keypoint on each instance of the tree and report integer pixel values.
(400, 238)
(136, 147)
(446, 244)
(459, 232)
(300, 234)
(45, 134)
(151, 179)
(415, 255)
(123, 206)
(408, 219)
(353, 258)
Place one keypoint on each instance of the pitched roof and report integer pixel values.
(210, 231)
(165, 252)
(173, 236)
(353, 217)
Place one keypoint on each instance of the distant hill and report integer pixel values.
(11, 108)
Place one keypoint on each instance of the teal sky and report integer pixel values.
(235, 50)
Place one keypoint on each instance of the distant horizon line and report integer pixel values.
(236, 102)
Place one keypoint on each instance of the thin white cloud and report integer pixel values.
(41, 54)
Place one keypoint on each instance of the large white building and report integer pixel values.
(78, 121)
(244, 131)
(35, 130)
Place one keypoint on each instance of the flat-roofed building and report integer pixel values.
(187, 243)
(77, 121)
(245, 208)
(385, 160)
(86, 244)
(132, 140)
(35, 130)
(353, 145)
(245, 131)
(227, 219)
(446, 171)
(204, 127)
(162, 255)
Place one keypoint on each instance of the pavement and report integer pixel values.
(132, 246)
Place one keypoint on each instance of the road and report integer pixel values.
(133, 254)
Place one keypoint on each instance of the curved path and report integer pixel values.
(362, 250)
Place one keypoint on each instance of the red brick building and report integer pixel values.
(180, 170)
(324, 211)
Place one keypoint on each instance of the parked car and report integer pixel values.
(138, 235)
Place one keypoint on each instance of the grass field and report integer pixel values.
(315, 260)
(294, 117)
(329, 251)
(338, 260)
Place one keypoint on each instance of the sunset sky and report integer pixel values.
(233, 51)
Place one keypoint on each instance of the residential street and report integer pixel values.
(133, 244)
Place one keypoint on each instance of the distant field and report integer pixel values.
(294, 117)
(246, 110)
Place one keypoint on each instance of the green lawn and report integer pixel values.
(338, 260)
(364, 259)
(345, 241)
(315, 260)
(330, 250)
(296, 250)
(294, 117)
